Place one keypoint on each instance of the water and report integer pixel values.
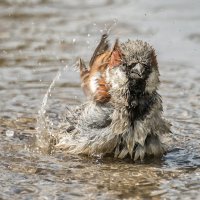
(40, 37)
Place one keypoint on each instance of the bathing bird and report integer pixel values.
(122, 116)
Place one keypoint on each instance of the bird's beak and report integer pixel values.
(138, 69)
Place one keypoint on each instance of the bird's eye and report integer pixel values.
(145, 65)
(123, 67)
(133, 65)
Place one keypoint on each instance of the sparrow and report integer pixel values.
(123, 114)
(93, 78)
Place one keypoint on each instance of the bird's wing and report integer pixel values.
(101, 48)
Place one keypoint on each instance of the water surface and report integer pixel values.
(40, 37)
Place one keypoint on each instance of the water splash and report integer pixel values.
(111, 26)
(107, 28)
(45, 136)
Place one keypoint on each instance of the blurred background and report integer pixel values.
(38, 38)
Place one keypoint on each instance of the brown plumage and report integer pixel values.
(93, 78)
(123, 116)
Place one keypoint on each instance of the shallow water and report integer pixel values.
(40, 37)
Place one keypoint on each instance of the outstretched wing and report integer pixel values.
(102, 47)
(84, 75)
(94, 77)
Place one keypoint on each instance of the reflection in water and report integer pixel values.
(37, 38)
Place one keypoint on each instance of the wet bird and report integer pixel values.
(93, 78)
(123, 114)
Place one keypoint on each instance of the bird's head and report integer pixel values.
(134, 63)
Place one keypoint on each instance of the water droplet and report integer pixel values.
(9, 133)
(88, 35)
(74, 40)
(115, 21)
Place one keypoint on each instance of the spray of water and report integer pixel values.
(45, 135)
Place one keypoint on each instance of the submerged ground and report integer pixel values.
(40, 37)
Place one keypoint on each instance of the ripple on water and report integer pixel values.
(36, 39)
